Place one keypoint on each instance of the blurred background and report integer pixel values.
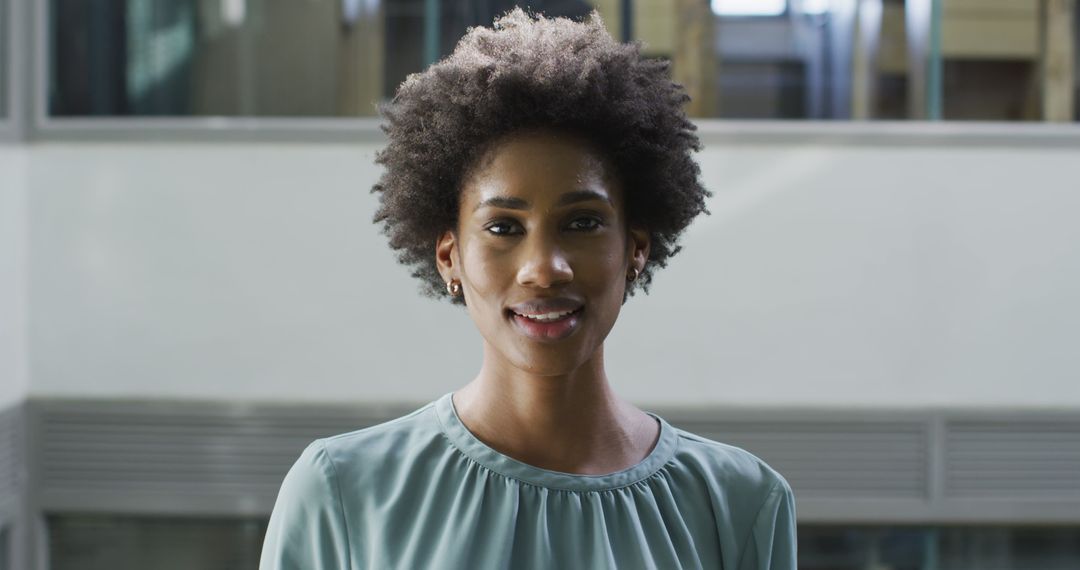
(884, 303)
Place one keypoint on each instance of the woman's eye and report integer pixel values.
(500, 228)
(586, 224)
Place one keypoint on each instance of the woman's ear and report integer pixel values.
(446, 254)
(638, 248)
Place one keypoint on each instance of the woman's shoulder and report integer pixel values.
(727, 469)
(752, 503)
(384, 442)
(317, 503)
(356, 464)
(419, 420)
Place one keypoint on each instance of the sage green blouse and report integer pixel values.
(422, 492)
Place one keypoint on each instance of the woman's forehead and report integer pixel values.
(539, 167)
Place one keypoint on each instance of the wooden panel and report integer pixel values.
(1058, 55)
(999, 8)
(654, 23)
(892, 48)
(695, 59)
(990, 37)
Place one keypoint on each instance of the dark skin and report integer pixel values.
(547, 403)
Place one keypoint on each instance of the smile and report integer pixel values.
(548, 326)
(546, 317)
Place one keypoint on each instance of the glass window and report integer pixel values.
(943, 548)
(103, 542)
(93, 542)
(870, 59)
(5, 56)
(760, 59)
(411, 44)
(991, 56)
(213, 57)
(5, 548)
(1008, 61)
(794, 59)
(250, 57)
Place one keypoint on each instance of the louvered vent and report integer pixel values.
(179, 450)
(823, 459)
(10, 464)
(215, 459)
(1013, 460)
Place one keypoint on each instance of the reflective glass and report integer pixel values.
(5, 548)
(997, 60)
(1010, 61)
(798, 59)
(102, 542)
(92, 542)
(212, 57)
(411, 44)
(944, 548)
(250, 57)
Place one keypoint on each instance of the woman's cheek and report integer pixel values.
(485, 269)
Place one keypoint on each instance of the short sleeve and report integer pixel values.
(307, 529)
(772, 543)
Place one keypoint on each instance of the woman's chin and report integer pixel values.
(540, 362)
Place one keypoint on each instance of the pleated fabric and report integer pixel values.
(422, 492)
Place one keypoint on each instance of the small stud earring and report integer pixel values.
(453, 287)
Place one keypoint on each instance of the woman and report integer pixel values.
(547, 168)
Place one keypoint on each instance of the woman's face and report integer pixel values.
(542, 251)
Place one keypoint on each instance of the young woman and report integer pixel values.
(537, 176)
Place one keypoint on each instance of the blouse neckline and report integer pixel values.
(478, 451)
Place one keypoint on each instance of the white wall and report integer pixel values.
(826, 276)
(13, 376)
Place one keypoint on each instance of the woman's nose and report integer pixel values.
(543, 264)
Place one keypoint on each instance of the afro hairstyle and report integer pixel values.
(531, 72)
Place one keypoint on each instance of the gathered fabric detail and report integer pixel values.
(423, 492)
(468, 444)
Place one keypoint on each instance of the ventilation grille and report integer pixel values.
(212, 458)
(1013, 460)
(179, 450)
(10, 464)
(834, 459)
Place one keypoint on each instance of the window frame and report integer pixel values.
(16, 48)
(5, 63)
(7, 48)
(7, 550)
(42, 127)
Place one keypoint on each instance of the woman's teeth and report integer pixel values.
(546, 316)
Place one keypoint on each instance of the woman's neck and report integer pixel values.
(573, 423)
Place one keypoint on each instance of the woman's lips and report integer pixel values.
(547, 330)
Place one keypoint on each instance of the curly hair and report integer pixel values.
(531, 72)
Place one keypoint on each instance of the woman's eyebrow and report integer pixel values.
(503, 202)
(511, 203)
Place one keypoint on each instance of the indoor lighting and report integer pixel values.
(814, 7)
(749, 7)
